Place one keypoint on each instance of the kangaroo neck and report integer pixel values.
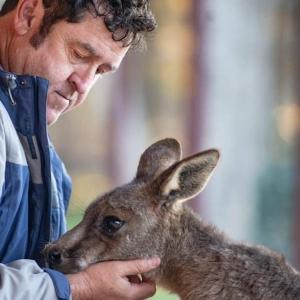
(185, 264)
(200, 263)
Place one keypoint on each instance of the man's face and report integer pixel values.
(72, 57)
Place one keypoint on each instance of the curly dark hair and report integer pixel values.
(127, 20)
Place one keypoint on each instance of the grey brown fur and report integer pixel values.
(197, 261)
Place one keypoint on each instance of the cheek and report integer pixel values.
(55, 68)
(57, 73)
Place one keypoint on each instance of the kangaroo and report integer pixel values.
(147, 217)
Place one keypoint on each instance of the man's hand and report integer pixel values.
(110, 281)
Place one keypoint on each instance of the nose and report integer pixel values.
(82, 80)
(54, 257)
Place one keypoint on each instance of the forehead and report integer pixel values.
(92, 32)
(127, 196)
(132, 197)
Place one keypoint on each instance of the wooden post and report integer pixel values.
(198, 83)
(295, 10)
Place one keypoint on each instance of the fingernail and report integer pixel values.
(155, 261)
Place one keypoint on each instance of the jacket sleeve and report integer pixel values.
(24, 279)
(2, 154)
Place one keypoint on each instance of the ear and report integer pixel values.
(157, 158)
(188, 177)
(28, 16)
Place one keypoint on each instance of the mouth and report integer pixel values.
(65, 98)
(67, 265)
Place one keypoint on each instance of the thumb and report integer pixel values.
(139, 266)
(142, 290)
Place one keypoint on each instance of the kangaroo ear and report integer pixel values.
(157, 158)
(188, 177)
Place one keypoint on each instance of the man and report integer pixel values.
(71, 44)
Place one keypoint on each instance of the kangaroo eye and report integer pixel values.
(110, 225)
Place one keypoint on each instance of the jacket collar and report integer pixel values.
(24, 97)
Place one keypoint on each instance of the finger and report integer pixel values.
(142, 291)
(139, 266)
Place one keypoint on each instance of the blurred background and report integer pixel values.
(223, 74)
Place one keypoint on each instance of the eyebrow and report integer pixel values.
(92, 51)
(88, 48)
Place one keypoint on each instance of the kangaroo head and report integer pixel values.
(132, 221)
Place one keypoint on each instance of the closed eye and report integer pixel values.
(100, 71)
(79, 55)
(106, 68)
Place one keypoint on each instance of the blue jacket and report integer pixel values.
(34, 191)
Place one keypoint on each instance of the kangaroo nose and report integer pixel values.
(54, 257)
